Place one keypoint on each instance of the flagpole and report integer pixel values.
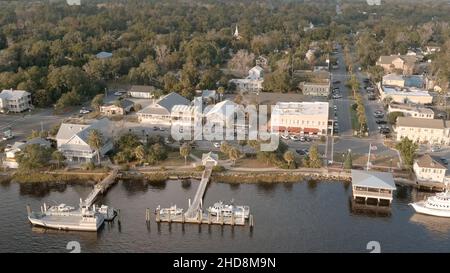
(368, 158)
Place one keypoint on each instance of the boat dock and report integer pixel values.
(195, 214)
(101, 187)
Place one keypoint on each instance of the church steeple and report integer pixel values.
(236, 33)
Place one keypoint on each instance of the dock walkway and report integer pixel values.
(194, 207)
(101, 187)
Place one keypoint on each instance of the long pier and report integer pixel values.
(194, 207)
(101, 187)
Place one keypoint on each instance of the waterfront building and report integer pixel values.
(427, 169)
(160, 112)
(72, 140)
(119, 108)
(372, 185)
(12, 151)
(300, 117)
(431, 131)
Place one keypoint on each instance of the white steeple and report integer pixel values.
(236, 32)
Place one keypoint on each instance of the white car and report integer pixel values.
(284, 136)
(294, 138)
(84, 111)
(435, 148)
(119, 93)
(216, 144)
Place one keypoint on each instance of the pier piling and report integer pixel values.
(158, 215)
(28, 210)
(251, 222)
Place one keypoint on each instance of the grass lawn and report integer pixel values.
(251, 163)
(354, 118)
(175, 159)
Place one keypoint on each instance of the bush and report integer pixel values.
(218, 168)
(200, 168)
(125, 167)
(88, 166)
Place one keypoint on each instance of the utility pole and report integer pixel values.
(368, 158)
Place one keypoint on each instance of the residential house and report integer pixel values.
(12, 151)
(210, 158)
(208, 96)
(15, 101)
(428, 169)
(404, 63)
(431, 49)
(72, 140)
(404, 94)
(119, 108)
(142, 91)
(160, 111)
(252, 83)
(300, 117)
(432, 131)
(414, 111)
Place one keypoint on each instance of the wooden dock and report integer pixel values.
(101, 187)
(194, 207)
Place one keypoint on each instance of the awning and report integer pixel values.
(311, 130)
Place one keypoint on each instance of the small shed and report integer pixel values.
(373, 185)
(210, 158)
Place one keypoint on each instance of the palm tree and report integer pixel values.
(58, 157)
(139, 153)
(289, 157)
(185, 150)
(221, 91)
(95, 140)
(234, 154)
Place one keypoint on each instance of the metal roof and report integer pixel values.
(371, 179)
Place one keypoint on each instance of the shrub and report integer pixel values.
(218, 168)
(200, 168)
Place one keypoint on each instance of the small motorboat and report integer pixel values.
(219, 208)
(173, 210)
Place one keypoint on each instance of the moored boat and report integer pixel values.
(437, 205)
(219, 208)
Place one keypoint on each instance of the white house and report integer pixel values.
(414, 111)
(431, 131)
(15, 101)
(404, 94)
(429, 170)
(161, 111)
(142, 91)
(253, 82)
(210, 158)
(72, 140)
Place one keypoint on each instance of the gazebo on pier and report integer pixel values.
(377, 186)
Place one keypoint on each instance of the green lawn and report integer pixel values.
(354, 118)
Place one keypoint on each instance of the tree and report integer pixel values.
(33, 157)
(392, 117)
(348, 163)
(97, 101)
(221, 91)
(58, 157)
(234, 154)
(313, 159)
(289, 157)
(407, 149)
(185, 150)
(95, 141)
(242, 143)
(225, 147)
(278, 81)
(140, 153)
(241, 61)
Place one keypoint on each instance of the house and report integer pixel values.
(72, 140)
(160, 111)
(119, 108)
(103, 55)
(15, 101)
(318, 83)
(310, 55)
(428, 169)
(404, 94)
(225, 113)
(404, 63)
(210, 158)
(431, 131)
(431, 49)
(252, 83)
(417, 81)
(373, 185)
(300, 117)
(142, 91)
(208, 96)
(11, 152)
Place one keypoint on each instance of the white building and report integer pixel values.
(429, 170)
(405, 94)
(142, 91)
(15, 101)
(161, 111)
(72, 140)
(300, 117)
(253, 82)
(414, 111)
(417, 81)
(431, 131)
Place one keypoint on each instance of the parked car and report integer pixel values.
(302, 139)
(381, 121)
(372, 97)
(216, 144)
(385, 131)
(155, 128)
(119, 93)
(337, 82)
(302, 151)
(336, 96)
(294, 138)
(435, 148)
(85, 111)
(162, 128)
(441, 115)
(444, 160)
(284, 136)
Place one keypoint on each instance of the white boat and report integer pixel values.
(228, 210)
(67, 218)
(173, 210)
(437, 205)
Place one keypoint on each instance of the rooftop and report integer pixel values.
(421, 123)
(405, 91)
(104, 55)
(10, 94)
(426, 161)
(371, 179)
(301, 108)
(416, 108)
(142, 88)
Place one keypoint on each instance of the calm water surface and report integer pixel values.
(289, 217)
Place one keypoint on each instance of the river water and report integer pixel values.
(289, 217)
